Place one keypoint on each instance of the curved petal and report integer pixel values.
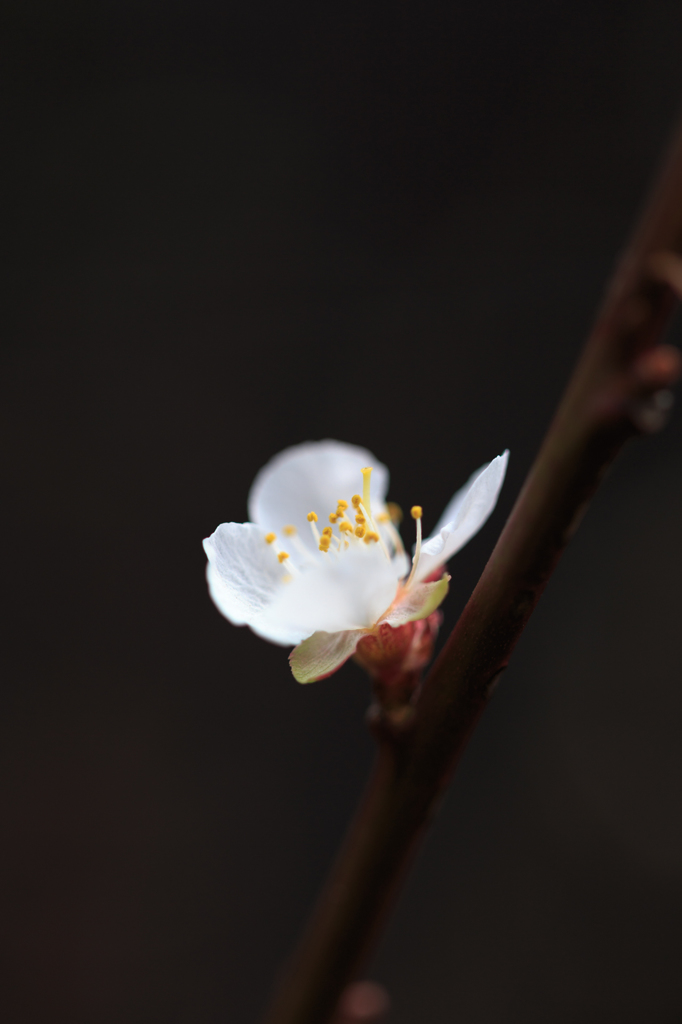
(224, 599)
(322, 653)
(311, 477)
(282, 633)
(469, 510)
(243, 572)
(418, 602)
(340, 593)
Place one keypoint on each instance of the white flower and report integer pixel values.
(296, 579)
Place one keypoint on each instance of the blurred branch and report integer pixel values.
(618, 390)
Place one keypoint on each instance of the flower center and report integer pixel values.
(363, 529)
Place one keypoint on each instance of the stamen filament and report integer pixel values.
(282, 556)
(362, 508)
(416, 514)
(395, 536)
(300, 547)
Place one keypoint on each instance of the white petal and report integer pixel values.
(244, 577)
(322, 653)
(418, 602)
(270, 628)
(311, 477)
(349, 591)
(464, 516)
(401, 564)
(243, 574)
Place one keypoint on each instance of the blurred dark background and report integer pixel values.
(233, 227)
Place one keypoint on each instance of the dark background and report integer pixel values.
(233, 227)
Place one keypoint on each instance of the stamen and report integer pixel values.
(312, 519)
(395, 512)
(356, 500)
(270, 537)
(333, 516)
(359, 531)
(289, 531)
(283, 555)
(416, 511)
(371, 536)
(327, 531)
(345, 527)
(303, 551)
(360, 519)
(344, 517)
(343, 505)
(385, 519)
(365, 512)
(395, 536)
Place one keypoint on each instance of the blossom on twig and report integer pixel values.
(321, 565)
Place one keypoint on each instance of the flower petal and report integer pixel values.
(464, 516)
(350, 591)
(322, 653)
(311, 477)
(243, 572)
(418, 602)
(401, 562)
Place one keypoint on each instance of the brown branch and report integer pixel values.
(617, 391)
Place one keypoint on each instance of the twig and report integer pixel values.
(618, 390)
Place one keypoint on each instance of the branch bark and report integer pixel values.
(618, 390)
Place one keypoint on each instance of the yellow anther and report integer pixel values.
(395, 512)
(346, 527)
(312, 517)
(383, 517)
(270, 537)
(324, 543)
(416, 512)
(342, 504)
(289, 531)
(356, 500)
(359, 531)
(333, 516)
(327, 532)
(360, 519)
(371, 536)
(283, 555)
